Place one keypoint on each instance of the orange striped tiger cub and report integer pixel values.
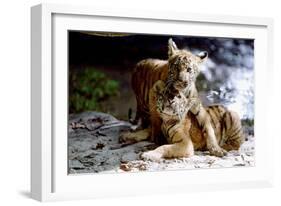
(170, 107)
(178, 76)
(169, 110)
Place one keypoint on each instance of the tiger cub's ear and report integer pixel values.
(172, 47)
(202, 56)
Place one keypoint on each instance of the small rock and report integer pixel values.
(129, 157)
(142, 167)
(239, 165)
(114, 160)
(76, 164)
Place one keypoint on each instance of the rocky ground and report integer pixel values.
(93, 147)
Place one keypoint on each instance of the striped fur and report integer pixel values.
(184, 135)
(145, 74)
(227, 127)
(208, 128)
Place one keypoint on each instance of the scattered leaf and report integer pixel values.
(100, 146)
(77, 125)
(125, 167)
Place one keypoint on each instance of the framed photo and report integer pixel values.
(139, 102)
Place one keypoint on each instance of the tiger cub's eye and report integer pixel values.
(188, 69)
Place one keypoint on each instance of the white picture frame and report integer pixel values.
(49, 178)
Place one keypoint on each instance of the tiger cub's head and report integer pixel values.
(183, 66)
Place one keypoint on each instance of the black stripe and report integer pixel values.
(179, 141)
(144, 87)
(221, 125)
(221, 109)
(219, 121)
(197, 113)
(235, 133)
(227, 120)
(216, 111)
(230, 119)
(211, 113)
(224, 123)
(158, 75)
(151, 81)
(212, 106)
(188, 94)
(203, 128)
(168, 129)
(172, 136)
(165, 133)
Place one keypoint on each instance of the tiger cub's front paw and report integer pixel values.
(217, 151)
(152, 156)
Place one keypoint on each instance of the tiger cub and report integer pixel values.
(170, 113)
(178, 73)
(170, 107)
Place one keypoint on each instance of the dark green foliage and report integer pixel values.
(88, 89)
(248, 126)
(248, 122)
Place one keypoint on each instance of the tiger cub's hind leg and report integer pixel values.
(137, 136)
(234, 136)
(208, 131)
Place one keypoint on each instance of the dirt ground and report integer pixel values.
(93, 147)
